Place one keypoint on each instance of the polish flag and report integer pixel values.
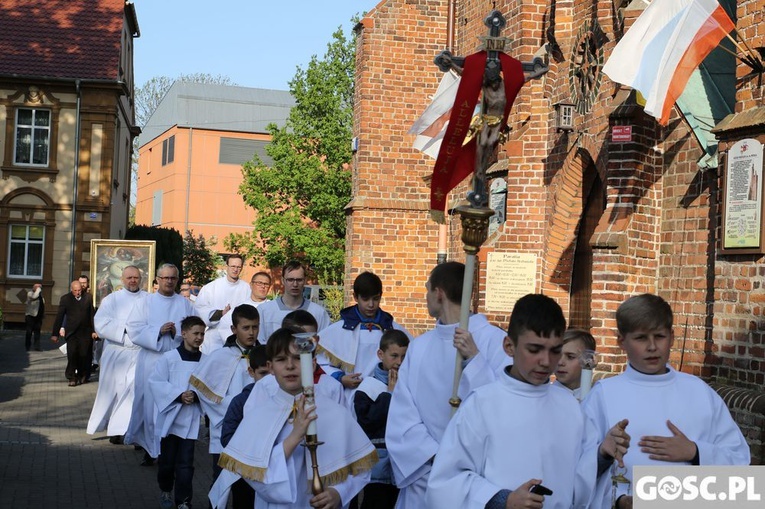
(431, 125)
(664, 46)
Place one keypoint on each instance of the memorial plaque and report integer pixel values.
(742, 226)
(509, 276)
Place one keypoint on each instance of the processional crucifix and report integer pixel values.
(470, 144)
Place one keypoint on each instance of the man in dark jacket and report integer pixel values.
(78, 312)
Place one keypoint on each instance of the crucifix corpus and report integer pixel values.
(470, 144)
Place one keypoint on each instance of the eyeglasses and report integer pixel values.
(294, 280)
(260, 283)
(167, 278)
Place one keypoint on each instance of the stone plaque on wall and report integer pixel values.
(742, 197)
(509, 276)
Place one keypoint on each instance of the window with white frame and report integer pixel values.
(25, 252)
(32, 145)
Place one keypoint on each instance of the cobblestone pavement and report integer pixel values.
(47, 460)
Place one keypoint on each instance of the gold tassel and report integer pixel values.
(361, 465)
(438, 216)
(335, 360)
(200, 385)
(246, 471)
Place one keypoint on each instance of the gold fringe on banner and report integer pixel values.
(208, 393)
(335, 360)
(361, 465)
(246, 471)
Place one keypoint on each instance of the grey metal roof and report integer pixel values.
(218, 107)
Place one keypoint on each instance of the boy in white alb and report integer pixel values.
(419, 408)
(370, 404)
(675, 417)
(348, 347)
(518, 431)
(568, 373)
(265, 449)
(179, 413)
(223, 374)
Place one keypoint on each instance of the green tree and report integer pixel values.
(300, 199)
(199, 261)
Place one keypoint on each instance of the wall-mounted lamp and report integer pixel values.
(564, 117)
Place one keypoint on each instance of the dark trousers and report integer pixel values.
(243, 495)
(79, 352)
(33, 323)
(379, 496)
(175, 467)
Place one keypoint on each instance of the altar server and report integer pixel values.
(216, 300)
(652, 414)
(179, 414)
(419, 408)
(517, 432)
(265, 448)
(348, 348)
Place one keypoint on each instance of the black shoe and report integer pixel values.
(147, 460)
(116, 440)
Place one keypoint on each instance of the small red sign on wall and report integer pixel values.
(621, 133)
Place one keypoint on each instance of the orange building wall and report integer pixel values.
(210, 205)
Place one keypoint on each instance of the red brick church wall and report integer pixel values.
(659, 232)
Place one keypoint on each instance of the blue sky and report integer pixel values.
(257, 43)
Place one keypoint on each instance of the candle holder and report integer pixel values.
(588, 361)
(305, 345)
(620, 484)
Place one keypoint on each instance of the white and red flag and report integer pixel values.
(431, 126)
(664, 46)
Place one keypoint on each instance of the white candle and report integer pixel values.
(585, 383)
(306, 377)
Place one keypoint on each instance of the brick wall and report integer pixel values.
(660, 227)
(389, 229)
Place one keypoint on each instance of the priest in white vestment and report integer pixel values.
(216, 300)
(652, 414)
(419, 408)
(155, 326)
(116, 379)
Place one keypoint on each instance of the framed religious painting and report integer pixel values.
(743, 229)
(109, 257)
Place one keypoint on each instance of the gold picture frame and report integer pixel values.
(108, 258)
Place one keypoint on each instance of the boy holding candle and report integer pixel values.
(568, 373)
(265, 450)
(676, 417)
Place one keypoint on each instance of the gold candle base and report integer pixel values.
(475, 227)
(311, 443)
